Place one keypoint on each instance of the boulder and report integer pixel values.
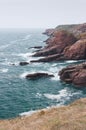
(23, 63)
(38, 75)
(75, 74)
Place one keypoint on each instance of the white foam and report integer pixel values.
(28, 113)
(38, 95)
(23, 75)
(4, 70)
(10, 63)
(71, 61)
(27, 37)
(28, 56)
(55, 71)
(56, 77)
(37, 64)
(22, 39)
(64, 93)
(24, 55)
(4, 46)
(54, 64)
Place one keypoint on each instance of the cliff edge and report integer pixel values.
(71, 117)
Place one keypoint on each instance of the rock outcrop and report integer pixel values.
(76, 51)
(38, 75)
(49, 32)
(75, 74)
(66, 41)
(57, 44)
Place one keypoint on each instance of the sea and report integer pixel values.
(20, 96)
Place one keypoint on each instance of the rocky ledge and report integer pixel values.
(65, 42)
(75, 74)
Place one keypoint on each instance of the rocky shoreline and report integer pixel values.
(66, 42)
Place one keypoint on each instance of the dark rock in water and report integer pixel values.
(23, 63)
(75, 74)
(38, 75)
(12, 64)
(36, 47)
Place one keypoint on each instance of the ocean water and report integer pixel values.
(19, 96)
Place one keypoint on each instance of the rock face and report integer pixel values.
(75, 74)
(76, 51)
(38, 75)
(57, 44)
(66, 41)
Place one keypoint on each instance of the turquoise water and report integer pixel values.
(19, 95)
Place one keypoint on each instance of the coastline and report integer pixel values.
(71, 117)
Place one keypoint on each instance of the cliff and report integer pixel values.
(65, 42)
(71, 117)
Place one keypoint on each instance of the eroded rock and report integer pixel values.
(77, 51)
(75, 74)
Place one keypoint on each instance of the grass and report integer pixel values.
(71, 117)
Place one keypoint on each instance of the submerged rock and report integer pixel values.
(23, 63)
(38, 75)
(75, 74)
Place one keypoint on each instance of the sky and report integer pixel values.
(41, 13)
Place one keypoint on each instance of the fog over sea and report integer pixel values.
(19, 96)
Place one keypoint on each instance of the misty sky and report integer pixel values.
(41, 13)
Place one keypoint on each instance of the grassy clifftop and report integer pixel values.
(71, 117)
